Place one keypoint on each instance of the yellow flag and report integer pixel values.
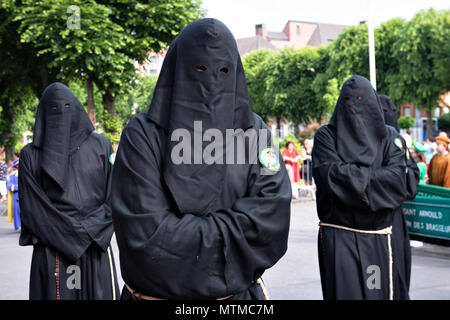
(10, 206)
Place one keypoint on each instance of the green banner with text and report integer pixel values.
(427, 216)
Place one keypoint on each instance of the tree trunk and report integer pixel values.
(44, 77)
(296, 130)
(108, 102)
(90, 101)
(8, 115)
(9, 153)
(278, 127)
(430, 126)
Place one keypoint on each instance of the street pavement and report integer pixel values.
(295, 276)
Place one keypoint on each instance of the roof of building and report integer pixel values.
(277, 36)
(324, 34)
(246, 45)
(329, 32)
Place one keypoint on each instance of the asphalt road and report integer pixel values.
(295, 276)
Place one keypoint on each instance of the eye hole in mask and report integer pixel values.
(224, 70)
(54, 107)
(67, 105)
(200, 68)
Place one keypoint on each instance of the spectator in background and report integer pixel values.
(419, 158)
(11, 162)
(291, 157)
(444, 134)
(3, 174)
(408, 138)
(13, 199)
(307, 164)
(439, 167)
(430, 147)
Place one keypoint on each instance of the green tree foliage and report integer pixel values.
(42, 43)
(280, 83)
(349, 54)
(92, 51)
(148, 25)
(16, 97)
(406, 122)
(422, 75)
(411, 62)
(385, 38)
(256, 66)
(288, 86)
(137, 99)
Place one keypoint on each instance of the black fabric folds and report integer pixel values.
(197, 231)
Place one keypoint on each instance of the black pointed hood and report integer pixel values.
(60, 128)
(358, 121)
(202, 79)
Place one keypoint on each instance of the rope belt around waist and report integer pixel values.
(139, 296)
(386, 231)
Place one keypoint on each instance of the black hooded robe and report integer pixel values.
(197, 231)
(400, 235)
(360, 176)
(65, 181)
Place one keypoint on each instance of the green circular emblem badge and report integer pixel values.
(112, 157)
(269, 159)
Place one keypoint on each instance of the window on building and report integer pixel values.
(437, 112)
(298, 29)
(407, 111)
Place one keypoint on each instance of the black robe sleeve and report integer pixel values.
(38, 215)
(98, 221)
(174, 255)
(359, 186)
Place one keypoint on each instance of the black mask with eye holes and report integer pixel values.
(60, 128)
(202, 79)
(359, 122)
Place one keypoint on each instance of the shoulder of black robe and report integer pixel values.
(43, 222)
(60, 127)
(349, 194)
(176, 255)
(390, 118)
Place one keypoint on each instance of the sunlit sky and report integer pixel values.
(241, 16)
